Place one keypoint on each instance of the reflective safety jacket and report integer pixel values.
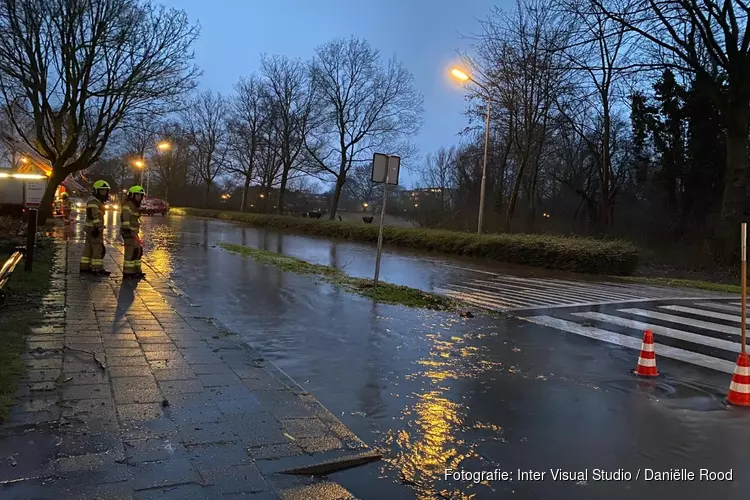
(66, 204)
(94, 213)
(130, 218)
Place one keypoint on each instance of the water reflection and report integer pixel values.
(436, 423)
(435, 390)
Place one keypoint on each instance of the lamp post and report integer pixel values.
(162, 146)
(141, 165)
(460, 75)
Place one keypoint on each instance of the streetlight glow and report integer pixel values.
(24, 159)
(164, 146)
(139, 163)
(460, 74)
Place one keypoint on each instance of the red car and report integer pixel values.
(152, 206)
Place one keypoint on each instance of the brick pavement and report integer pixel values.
(162, 404)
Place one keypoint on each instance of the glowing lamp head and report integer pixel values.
(459, 74)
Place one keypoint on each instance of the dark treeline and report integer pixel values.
(605, 123)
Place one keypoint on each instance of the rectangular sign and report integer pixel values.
(34, 191)
(379, 163)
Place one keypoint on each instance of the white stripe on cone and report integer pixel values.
(741, 388)
(646, 362)
(742, 370)
(647, 347)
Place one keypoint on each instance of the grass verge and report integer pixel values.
(583, 255)
(24, 292)
(683, 283)
(387, 293)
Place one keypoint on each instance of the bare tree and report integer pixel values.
(360, 188)
(136, 141)
(78, 69)
(289, 96)
(710, 39)
(269, 164)
(365, 106)
(205, 122)
(598, 55)
(517, 54)
(248, 118)
(439, 172)
(171, 167)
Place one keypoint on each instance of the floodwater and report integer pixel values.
(435, 391)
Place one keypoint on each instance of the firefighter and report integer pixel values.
(92, 260)
(130, 224)
(66, 208)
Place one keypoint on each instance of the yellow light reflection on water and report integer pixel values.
(431, 442)
(159, 259)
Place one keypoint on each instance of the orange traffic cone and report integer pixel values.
(739, 389)
(647, 359)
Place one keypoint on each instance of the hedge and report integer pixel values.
(583, 255)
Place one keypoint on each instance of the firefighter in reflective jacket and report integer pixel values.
(65, 202)
(92, 260)
(130, 224)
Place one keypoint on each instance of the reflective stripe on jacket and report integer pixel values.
(130, 218)
(94, 211)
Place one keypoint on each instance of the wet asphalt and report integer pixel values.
(435, 391)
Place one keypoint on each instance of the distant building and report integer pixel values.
(420, 195)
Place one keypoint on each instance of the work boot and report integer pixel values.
(102, 272)
(140, 274)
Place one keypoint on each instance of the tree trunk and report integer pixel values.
(734, 197)
(606, 169)
(205, 195)
(513, 198)
(335, 199)
(48, 198)
(245, 189)
(282, 188)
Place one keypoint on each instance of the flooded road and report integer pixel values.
(438, 392)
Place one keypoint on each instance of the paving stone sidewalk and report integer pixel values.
(129, 394)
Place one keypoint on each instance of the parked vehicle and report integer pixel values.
(153, 206)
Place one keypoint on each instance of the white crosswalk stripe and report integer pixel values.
(677, 334)
(703, 312)
(507, 293)
(720, 306)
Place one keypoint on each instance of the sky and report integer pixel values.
(424, 35)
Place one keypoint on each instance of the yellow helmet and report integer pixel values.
(136, 190)
(101, 185)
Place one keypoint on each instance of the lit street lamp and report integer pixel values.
(139, 164)
(460, 75)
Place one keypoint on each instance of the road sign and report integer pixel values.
(381, 163)
(33, 193)
(385, 170)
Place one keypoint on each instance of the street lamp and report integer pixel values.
(164, 146)
(139, 164)
(462, 76)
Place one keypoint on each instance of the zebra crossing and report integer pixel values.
(509, 293)
(692, 332)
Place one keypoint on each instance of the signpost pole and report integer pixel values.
(743, 284)
(382, 215)
(30, 240)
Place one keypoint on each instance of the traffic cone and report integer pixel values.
(739, 389)
(647, 359)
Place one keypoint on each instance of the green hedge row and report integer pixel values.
(583, 255)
